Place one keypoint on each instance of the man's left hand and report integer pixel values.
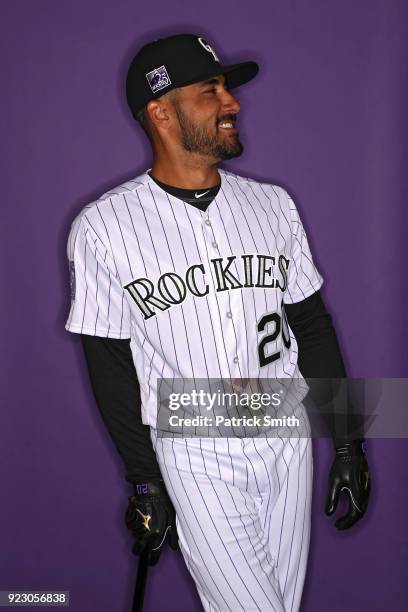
(349, 473)
(151, 518)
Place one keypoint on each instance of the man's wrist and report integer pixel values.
(149, 487)
(350, 448)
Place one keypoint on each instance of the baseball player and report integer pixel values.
(190, 272)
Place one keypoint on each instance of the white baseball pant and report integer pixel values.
(243, 509)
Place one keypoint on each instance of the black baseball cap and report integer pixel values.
(175, 61)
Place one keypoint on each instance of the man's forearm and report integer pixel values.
(320, 360)
(117, 393)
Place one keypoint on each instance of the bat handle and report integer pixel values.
(140, 584)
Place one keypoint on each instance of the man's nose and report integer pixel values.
(230, 103)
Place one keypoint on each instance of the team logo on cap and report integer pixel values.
(158, 79)
(208, 48)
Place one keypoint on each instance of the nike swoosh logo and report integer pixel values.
(199, 195)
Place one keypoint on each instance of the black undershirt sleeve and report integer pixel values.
(117, 393)
(319, 352)
(319, 357)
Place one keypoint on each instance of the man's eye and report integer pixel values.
(210, 90)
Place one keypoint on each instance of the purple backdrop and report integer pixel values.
(326, 118)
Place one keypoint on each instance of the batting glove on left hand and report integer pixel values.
(349, 473)
(152, 519)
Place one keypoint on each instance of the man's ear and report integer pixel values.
(160, 113)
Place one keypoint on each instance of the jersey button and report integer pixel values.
(207, 222)
(235, 359)
(215, 245)
(229, 314)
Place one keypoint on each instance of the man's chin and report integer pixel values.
(231, 152)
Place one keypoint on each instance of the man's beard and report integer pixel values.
(196, 139)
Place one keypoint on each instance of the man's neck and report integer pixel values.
(186, 176)
(196, 197)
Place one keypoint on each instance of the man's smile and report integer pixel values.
(228, 126)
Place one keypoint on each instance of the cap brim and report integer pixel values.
(238, 74)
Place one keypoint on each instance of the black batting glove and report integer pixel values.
(349, 473)
(152, 519)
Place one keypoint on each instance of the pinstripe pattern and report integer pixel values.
(180, 282)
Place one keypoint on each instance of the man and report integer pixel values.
(190, 272)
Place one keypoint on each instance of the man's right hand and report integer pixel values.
(152, 519)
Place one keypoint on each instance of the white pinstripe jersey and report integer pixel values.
(199, 294)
